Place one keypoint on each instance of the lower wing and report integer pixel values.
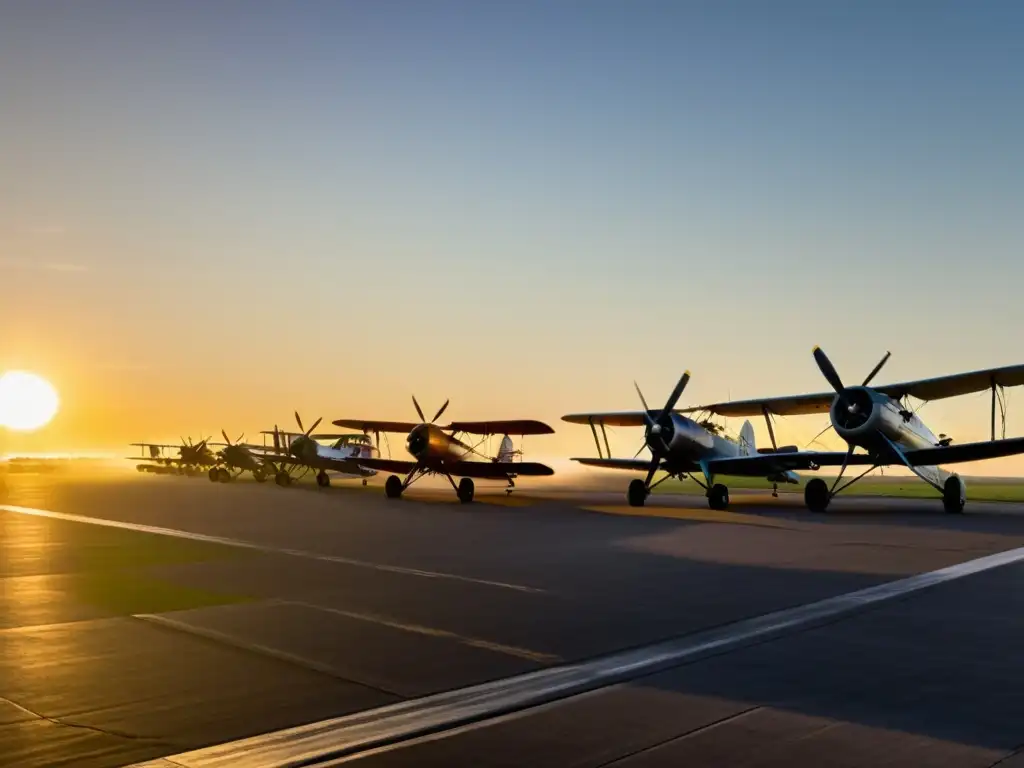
(634, 465)
(954, 454)
(497, 470)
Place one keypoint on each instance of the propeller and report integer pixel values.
(855, 404)
(437, 415)
(656, 426)
(307, 432)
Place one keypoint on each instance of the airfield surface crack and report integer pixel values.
(64, 723)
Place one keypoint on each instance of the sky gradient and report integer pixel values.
(213, 214)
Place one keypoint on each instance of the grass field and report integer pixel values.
(978, 488)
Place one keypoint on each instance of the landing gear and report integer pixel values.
(213, 474)
(364, 482)
(283, 479)
(718, 497)
(465, 490)
(223, 475)
(637, 492)
(816, 495)
(393, 487)
(953, 496)
(322, 479)
(259, 475)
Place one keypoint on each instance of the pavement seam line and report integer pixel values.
(59, 721)
(263, 650)
(176, 533)
(508, 650)
(350, 735)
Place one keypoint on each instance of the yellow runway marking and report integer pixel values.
(699, 515)
(508, 650)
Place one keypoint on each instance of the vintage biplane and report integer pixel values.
(683, 447)
(881, 422)
(438, 450)
(293, 454)
(192, 458)
(237, 457)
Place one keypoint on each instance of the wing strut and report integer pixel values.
(771, 432)
(590, 420)
(998, 397)
(604, 434)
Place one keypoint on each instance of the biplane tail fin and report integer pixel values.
(507, 452)
(747, 444)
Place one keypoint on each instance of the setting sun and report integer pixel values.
(27, 401)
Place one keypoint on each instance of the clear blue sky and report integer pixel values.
(520, 205)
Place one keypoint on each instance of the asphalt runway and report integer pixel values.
(262, 608)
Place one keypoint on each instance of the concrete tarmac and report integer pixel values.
(340, 601)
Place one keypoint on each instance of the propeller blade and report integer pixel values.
(225, 436)
(315, 425)
(644, 445)
(877, 368)
(299, 422)
(676, 393)
(418, 409)
(438, 414)
(241, 437)
(828, 370)
(647, 411)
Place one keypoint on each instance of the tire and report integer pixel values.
(212, 474)
(393, 487)
(816, 495)
(466, 489)
(953, 496)
(323, 480)
(637, 492)
(718, 497)
(223, 475)
(259, 476)
(282, 479)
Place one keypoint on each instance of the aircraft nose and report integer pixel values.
(417, 441)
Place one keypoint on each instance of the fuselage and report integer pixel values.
(861, 415)
(343, 457)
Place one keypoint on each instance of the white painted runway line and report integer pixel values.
(140, 528)
(353, 734)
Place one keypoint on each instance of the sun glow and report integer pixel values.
(27, 401)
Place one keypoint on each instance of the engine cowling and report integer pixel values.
(860, 413)
(681, 434)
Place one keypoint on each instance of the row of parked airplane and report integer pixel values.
(878, 425)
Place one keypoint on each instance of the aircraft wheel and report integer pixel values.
(466, 489)
(953, 496)
(816, 495)
(393, 487)
(364, 482)
(282, 479)
(223, 475)
(213, 475)
(322, 479)
(718, 497)
(636, 494)
(259, 475)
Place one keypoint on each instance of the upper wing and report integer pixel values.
(793, 405)
(508, 427)
(367, 425)
(957, 384)
(954, 454)
(612, 418)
